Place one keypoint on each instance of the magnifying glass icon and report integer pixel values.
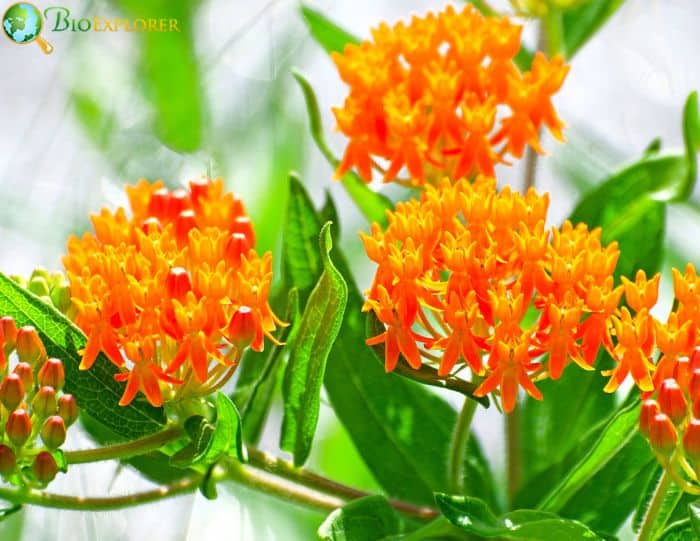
(22, 23)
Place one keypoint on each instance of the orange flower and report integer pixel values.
(467, 273)
(424, 96)
(162, 292)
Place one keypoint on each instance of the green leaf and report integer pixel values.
(613, 438)
(580, 23)
(474, 516)
(98, 123)
(366, 519)
(208, 485)
(694, 515)
(328, 34)
(681, 530)
(303, 379)
(372, 204)
(401, 430)
(7, 512)
(572, 405)
(95, 390)
(201, 434)
(478, 477)
(169, 72)
(329, 213)
(228, 437)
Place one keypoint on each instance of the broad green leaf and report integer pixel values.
(367, 519)
(372, 204)
(201, 433)
(328, 34)
(551, 427)
(580, 23)
(228, 436)
(474, 516)
(608, 499)
(314, 339)
(95, 390)
(401, 430)
(169, 72)
(681, 530)
(613, 438)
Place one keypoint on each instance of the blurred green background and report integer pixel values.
(217, 98)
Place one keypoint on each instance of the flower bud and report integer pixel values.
(39, 286)
(199, 187)
(694, 387)
(178, 283)
(44, 467)
(671, 400)
(61, 297)
(151, 224)
(30, 348)
(158, 205)
(242, 328)
(691, 440)
(68, 409)
(237, 246)
(25, 373)
(8, 461)
(649, 409)
(242, 224)
(18, 427)
(179, 201)
(53, 433)
(184, 223)
(11, 391)
(8, 333)
(45, 403)
(663, 436)
(52, 374)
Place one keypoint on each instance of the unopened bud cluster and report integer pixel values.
(52, 287)
(34, 411)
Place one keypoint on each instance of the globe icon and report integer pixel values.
(22, 23)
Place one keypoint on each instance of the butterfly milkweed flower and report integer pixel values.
(173, 292)
(663, 359)
(442, 96)
(470, 276)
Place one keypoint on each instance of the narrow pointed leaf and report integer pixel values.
(582, 22)
(328, 34)
(306, 368)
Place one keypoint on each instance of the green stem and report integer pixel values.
(286, 470)
(458, 447)
(647, 529)
(80, 503)
(553, 29)
(513, 455)
(124, 450)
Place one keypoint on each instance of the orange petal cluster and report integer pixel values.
(424, 97)
(468, 275)
(173, 292)
(670, 415)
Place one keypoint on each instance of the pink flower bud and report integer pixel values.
(68, 409)
(18, 427)
(671, 400)
(52, 374)
(45, 403)
(53, 433)
(44, 467)
(8, 461)
(30, 348)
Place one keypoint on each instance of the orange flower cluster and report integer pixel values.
(467, 272)
(425, 96)
(670, 415)
(173, 293)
